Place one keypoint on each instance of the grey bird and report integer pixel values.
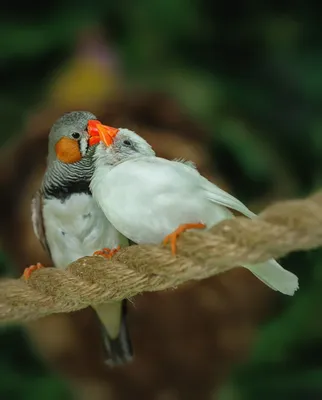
(70, 224)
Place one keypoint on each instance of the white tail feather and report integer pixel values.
(275, 277)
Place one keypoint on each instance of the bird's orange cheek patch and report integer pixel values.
(67, 150)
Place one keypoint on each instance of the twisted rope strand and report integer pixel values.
(280, 229)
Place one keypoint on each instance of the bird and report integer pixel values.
(151, 200)
(69, 223)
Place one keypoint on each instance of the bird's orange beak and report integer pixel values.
(100, 133)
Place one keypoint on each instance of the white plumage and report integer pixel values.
(76, 228)
(146, 198)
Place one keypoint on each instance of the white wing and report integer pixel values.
(271, 273)
(219, 196)
(213, 192)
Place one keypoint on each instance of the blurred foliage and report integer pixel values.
(251, 74)
(23, 376)
(286, 360)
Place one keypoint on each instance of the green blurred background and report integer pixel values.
(251, 73)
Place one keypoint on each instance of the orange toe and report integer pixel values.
(114, 251)
(106, 252)
(172, 238)
(28, 271)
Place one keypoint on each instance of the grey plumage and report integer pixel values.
(75, 121)
(58, 174)
(62, 181)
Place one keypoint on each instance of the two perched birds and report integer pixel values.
(105, 188)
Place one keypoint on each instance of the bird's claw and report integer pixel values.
(28, 271)
(106, 252)
(172, 238)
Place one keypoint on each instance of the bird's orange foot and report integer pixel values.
(114, 251)
(172, 238)
(28, 271)
(106, 252)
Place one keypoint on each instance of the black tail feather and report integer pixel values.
(118, 351)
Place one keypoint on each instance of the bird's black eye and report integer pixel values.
(127, 143)
(76, 135)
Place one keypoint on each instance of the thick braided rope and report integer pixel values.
(280, 229)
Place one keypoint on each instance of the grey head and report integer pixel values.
(69, 163)
(125, 145)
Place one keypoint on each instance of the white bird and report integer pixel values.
(147, 198)
(69, 223)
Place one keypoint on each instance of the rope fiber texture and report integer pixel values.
(280, 229)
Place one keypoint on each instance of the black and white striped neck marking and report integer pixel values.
(63, 180)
